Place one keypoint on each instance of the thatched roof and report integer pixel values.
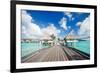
(70, 36)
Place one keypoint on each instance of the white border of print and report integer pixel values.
(20, 65)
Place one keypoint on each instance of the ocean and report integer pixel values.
(28, 48)
(83, 46)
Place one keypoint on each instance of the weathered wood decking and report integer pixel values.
(55, 53)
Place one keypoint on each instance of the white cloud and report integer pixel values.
(32, 30)
(63, 23)
(26, 18)
(79, 24)
(85, 28)
(29, 29)
(73, 18)
(72, 32)
(68, 14)
(49, 30)
(69, 27)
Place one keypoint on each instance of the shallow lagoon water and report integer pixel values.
(28, 48)
(83, 46)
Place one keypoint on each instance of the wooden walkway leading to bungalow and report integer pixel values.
(55, 53)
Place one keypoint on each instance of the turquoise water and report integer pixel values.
(83, 46)
(28, 48)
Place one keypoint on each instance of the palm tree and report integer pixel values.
(58, 39)
(52, 36)
(65, 40)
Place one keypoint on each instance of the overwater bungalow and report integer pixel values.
(71, 39)
(47, 41)
(26, 40)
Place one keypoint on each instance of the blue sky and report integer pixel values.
(65, 22)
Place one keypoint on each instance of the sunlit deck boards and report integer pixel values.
(55, 53)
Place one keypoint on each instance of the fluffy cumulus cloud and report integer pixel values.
(63, 23)
(79, 24)
(69, 27)
(72, 18)
(29, 29)
(26, 18)
(68, 14)
(32, 30)
(50, 30)
(84, 27)
(72, 32)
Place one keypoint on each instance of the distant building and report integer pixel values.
(71, 39)
(46, 40)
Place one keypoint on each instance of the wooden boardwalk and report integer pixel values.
(55, 53)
